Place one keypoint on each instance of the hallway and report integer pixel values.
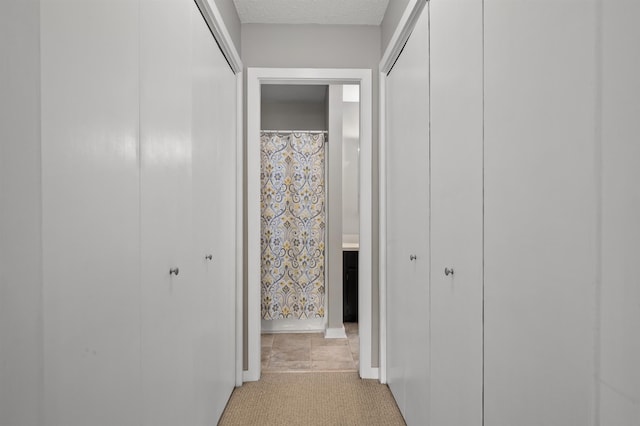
(312, 399)
(498, 200)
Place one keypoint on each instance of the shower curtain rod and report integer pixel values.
(294, 131)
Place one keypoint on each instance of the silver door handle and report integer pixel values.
(448, 271)
(174, 271)
(413, 257)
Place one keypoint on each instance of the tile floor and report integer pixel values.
(287, 352)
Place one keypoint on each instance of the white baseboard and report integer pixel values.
(369, 373)
(335, 333)
(250, 376)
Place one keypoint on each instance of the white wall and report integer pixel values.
(323, 46)
(618, 325)
(350, 170)
(392, 16)
(231, 20)
(20, 230)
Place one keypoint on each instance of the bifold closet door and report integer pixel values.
(90, 212)
(456, 212)
(619, 340)
(408, 227)
(167, 276)
(540, 211)
(213, 175)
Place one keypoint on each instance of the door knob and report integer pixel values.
(413, 257)
(448, 271)
(174, 271)
(209, 257)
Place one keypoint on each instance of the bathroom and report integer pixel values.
(309, 135)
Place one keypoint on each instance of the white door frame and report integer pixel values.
(255, 78)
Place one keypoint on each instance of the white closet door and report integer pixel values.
(90, 212)
(456, 212)
(165, 138)
(619, 345)
(408, 226)
(213, 175)
(540, 211)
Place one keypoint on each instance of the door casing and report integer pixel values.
(321, 76)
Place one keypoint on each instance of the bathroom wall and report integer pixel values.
(335, 328)
(350, 170)
(293, 115)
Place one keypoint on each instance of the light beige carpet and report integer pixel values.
(323, 399)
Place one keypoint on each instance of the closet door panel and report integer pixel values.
(456, 212)
(408, 226)
(213, 176)
(225, 220)
(540, 211)
(90, 212)
(165, 137)
(619, 344)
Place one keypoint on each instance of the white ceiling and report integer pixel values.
(344, 12)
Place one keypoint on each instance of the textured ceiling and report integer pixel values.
(344, 12)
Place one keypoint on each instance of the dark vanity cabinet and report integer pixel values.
(350, 286)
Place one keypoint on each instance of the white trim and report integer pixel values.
(253, 228)
(401, 34)
(365, 256)
(248, 377)
(239, 226)
(219, 30)
(382, 230)
(256, 77)
(369, 373)
(335, 333)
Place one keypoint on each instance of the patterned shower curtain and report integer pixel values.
(293, 224)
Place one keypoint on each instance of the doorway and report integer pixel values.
(256, 79)
(309, 227)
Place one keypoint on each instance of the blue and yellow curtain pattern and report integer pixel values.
(292, 175)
